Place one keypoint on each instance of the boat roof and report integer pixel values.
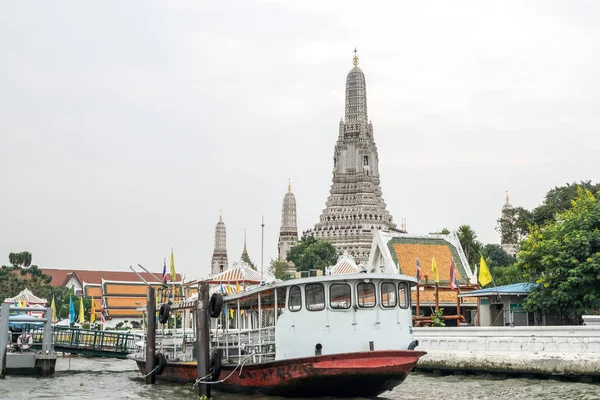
(321, 279)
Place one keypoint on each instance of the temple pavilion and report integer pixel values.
(395, 252)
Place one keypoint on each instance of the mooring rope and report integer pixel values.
(151, 372)
(241, 364)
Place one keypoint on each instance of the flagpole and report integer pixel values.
(262, 247)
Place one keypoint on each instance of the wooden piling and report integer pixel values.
(151, 335)
(203, 338)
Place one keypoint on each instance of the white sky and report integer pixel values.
(126, 126)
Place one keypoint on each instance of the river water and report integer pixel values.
(81, 378)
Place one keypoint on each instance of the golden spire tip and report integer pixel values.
(289, 185)
(355, 58)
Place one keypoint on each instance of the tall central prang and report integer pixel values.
(355, 208)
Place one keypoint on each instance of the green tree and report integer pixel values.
(311, 253)
(508, 275)
(563, 258)
(495, 256)
(471, 246)
(556, 201)
(279, 270)
(20, 274)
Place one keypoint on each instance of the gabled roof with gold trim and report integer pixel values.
(395, 252)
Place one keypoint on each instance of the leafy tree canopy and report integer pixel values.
(495, 256)
(311, 253)
(279, 270)
(471, 246)
(20, 274)
(563, 257)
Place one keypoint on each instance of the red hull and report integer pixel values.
(363, 374)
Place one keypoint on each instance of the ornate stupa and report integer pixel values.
(219, 258)
(288, 233)
(355, 208)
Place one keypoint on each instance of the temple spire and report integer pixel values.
(219, 259)
(355, 208)
(288, 233)
(507, 198)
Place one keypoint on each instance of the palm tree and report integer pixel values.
(468, 240)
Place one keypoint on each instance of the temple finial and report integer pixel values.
(245, 250)
(355, 58)
(221, 215)
(507, 198)
(289, 185)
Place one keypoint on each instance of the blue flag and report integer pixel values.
(71, 310)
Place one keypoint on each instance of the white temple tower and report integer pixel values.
(219, 258)
(288, 233)
(355, 208)
(509, 239)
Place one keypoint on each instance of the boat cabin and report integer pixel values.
(316, 316)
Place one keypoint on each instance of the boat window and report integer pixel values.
(366, 294)
(340, 296)
(295, 299)
(403, 295)
(315, 296)
(388, 295)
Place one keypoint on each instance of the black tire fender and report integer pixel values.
(163, 313)
(160, 363)
(215, 366)
(216, 305)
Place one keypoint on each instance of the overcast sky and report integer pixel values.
(126, 126)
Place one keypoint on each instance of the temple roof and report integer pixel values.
(28, 296)
(60, 277)
(345, 265)
(241, 272)
(394, 252)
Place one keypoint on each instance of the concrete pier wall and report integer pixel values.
(541, 350)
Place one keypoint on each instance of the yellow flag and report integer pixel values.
(484, 273)
(93, 313)
(229, 290)
(53, 311)
(231, 313)
(237, 284)
(81, 312)
(434, 270)
(172, 270)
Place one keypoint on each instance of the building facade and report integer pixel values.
(288, 233)
(219, 259)
(355, 208)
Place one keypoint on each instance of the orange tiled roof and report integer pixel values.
(139, 289)
(405, 251)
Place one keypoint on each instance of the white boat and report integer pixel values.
(341, 335)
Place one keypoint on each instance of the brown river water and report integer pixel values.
(80, 378)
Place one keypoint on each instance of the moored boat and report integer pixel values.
(340, 335)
